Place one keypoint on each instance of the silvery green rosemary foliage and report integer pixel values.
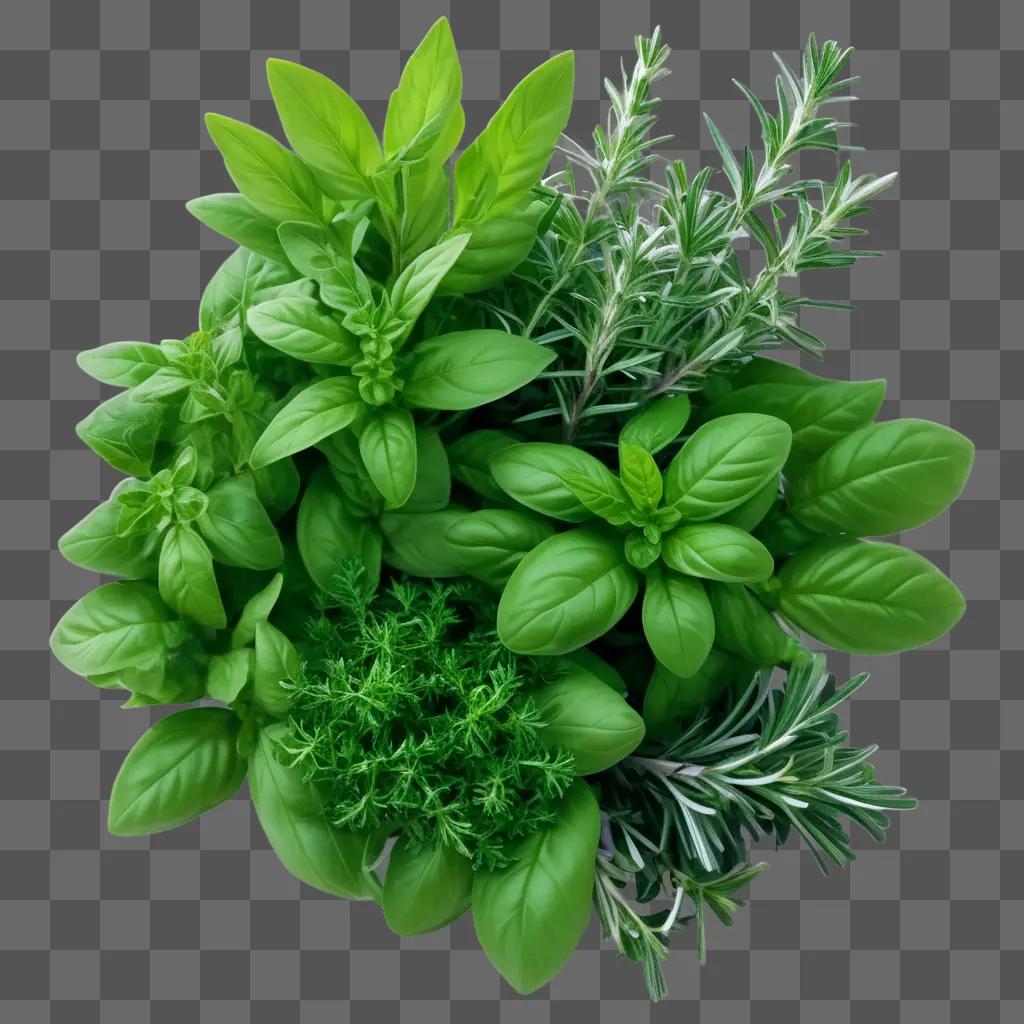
(410, 714)
(637, 283)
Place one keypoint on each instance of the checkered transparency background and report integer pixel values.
(101, 132)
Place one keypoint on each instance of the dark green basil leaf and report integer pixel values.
(237, 528)
(232, 215)
(276, 660)
(744, 627)
(569, 590)
(491, 542)
(346, 466)
(470, 460)
(751, 513)
(530, 915)
(867, 597)
(658, 423)
(467, 369)
(883, 479)
(387, 445)
(587, 659)
(433, 488)
(678, 621)
(714, 551)
(725, 463)
(187, 580)
(293, 818)
(425, 888)
(586, 717)
(123, 364)
(671, 702)
(417, 542)
(181, 767)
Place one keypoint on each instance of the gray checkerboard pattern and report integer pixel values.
(102, 141)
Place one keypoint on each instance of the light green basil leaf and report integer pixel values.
(867, 597)
(276, 660)
(714, 551)
(883, 479)
(237, 528)
(296, 326)
(124, 431)
(467, 369)
(433, 488)
(387, 445)
(491, 542)
(228, 673)
(113, 627)
(416, 285)
(123, 364)
(602, 494)
(292, 815)
(671, 702)
(329, 534)
(425, 887)
(316, 411)
(725, 463)
(181, 767)
(499, 167)
(232, 215)
(569, 590)
(470, 459)
(751, 513)
(589, 719)
(535, 474)
(272, 178)
(94, 543)
(257, 609)
(658, 423)
(678, 621)
(640, 476)
(243, 280)
(187, 580)
(417, 542)
(429, 90)
(819, 415)
(744, 627)
(530, 915)
(326, 127)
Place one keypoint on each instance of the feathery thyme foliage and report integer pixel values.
(775, 763)
(411, 714)
(638, 284)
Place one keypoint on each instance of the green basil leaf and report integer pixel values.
(124, 431)
(346, 466)
(725, 463)
(242, 281)
(883, 479)
(867, 597)
(430, 88)
(326, 127)
(587, 659)
(714, 551)
(296, 326)
(819, 415)
(277, 486)
(744, 627)
(228, 673)
(496, 247)
(671, 702)
(764, 370)
(417, 542)
(327, 257)
(187, 580)
(123, 364)
(751, 513)
(94, 544)
(276, 660)
(388, 449)
(232, 215)
(586, 717)
(491, 542)
(181, 767)
(497, 170)
(272, 178)
(678, 621)
(292, 816)
(316, 411)
(535, 474)
(602, 494)
(658, 424)
(416, 285)
(640, 476)
(237, 528)
(433, 488)
(530, 916)
(113, 627)
(467, 369)
(425, 887)
(257, 609)
(329, 534)
(569, 590)
(470, 459)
